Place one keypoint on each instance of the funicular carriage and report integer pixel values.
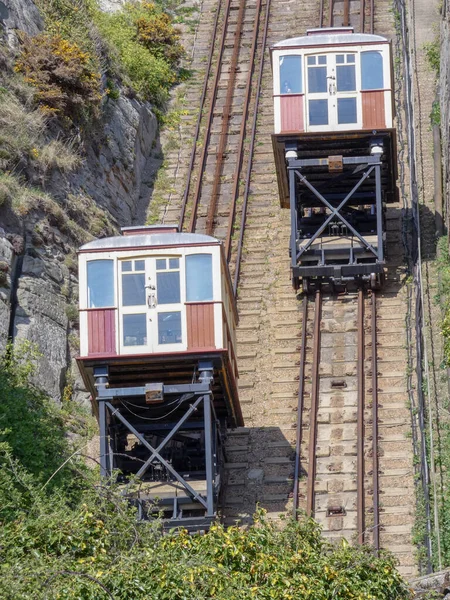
(157, 353)
(335, 152)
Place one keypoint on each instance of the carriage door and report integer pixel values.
(332, 92)
(152, 319)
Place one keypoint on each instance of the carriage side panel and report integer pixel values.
(200, 325)
(373, 111)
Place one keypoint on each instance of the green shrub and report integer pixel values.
(155, 31)
(433, 54)
(147, 47)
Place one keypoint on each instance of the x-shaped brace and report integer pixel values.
(155, 452)
(335, 211)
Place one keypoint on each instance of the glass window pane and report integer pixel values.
(290, 74)
(350, 58)
(134, 330)
(311, 60)
(346, 110)
(133, 289)
(371, 71)
(199, 284)
(174, 263)
(322, 60)
(317, 80)
(340, 59)
(318, 112)
(168, 287)
(100, 283)
(345, 78)
(161, 263)
(169, 328)
(127, 265)
(139, 265)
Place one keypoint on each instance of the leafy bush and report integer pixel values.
(156, 32)
(65, 536)
(433, 54)
(65, 82)
(147, 46)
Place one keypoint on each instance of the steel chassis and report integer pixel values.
(194, 400)
(343, 269)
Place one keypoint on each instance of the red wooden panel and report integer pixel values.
(200, 325)
(373, 110)
(101, 331)
(291, 108)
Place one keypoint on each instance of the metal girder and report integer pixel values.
(200, 394)
(115, 412)
(368, 165)
(168, 390)
(335, 211)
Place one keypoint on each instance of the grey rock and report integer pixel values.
(41, 318)
(7, 257)
(112, 171)
(255, 474)
(111, 5)
(24, 16)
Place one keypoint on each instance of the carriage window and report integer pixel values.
(168, 280)
(169, 328)
(317, 74)
(134, 330)
(371, 70)
(346, 108)
(290, 74)
(318, 112)
(100, 283)
(133, 282)
(345, 73)
(199, 284)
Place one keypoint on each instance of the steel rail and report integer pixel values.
(321, 13)
(310, 496)
(250, 154)
(372, 16)
(362, 15)
(375, 479)
(204, 154)
(226, 114)
(346, 18)
(301, 392)
(330, 13)
(237, 170)
(360, 512)
(199, 121)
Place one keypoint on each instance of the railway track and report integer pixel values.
(341, 429)
(326, 416)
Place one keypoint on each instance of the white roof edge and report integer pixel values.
(328, 39)
(148, 240)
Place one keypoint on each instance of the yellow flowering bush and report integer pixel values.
(66, 83)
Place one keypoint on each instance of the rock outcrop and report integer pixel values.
(38, 286)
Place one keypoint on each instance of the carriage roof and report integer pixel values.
(148, 240)
(326, 39)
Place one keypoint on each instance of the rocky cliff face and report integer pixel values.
(38, 285)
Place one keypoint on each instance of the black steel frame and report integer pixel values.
(193, 398)
(350, 267)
